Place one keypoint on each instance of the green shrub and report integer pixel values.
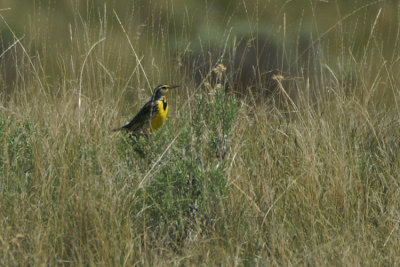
(182, 183)
(17, 159)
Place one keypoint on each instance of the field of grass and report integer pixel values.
(299, 168)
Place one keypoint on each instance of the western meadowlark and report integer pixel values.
(153, 114)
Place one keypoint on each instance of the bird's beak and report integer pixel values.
(173, 86)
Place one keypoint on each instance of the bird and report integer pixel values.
(152, 115)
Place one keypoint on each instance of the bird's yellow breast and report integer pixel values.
(161, 115)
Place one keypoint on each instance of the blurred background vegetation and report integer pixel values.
(171, 38)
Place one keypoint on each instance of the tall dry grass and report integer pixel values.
(306, 176)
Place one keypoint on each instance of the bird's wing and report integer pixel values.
(141, 119)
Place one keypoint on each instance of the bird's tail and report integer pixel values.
(123, 128)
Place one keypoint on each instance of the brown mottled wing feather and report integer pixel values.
(141, 119)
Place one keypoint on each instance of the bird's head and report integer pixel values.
(163, 90)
